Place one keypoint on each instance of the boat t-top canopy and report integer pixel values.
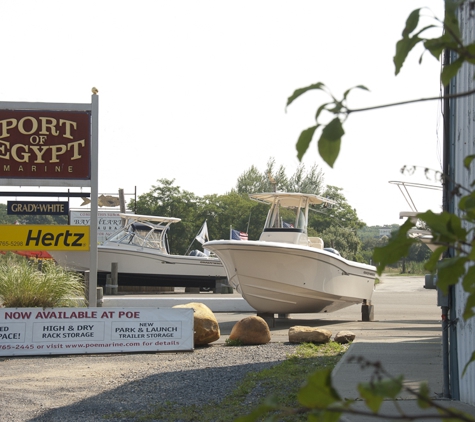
(290, 199)
(146, 231)
(154, 218)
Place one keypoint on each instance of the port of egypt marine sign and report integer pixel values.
(38, 331)
(49, 238)
(45, 144)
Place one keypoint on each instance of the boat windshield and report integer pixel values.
(141, 235)
(285, 218)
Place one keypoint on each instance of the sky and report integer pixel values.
(196, 91)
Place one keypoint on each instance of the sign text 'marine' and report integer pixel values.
(45, 144)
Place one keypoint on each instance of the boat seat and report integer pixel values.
(315, 242)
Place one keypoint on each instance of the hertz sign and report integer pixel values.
(45, 144)
(33, 238)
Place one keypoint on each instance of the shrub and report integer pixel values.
(27, 283)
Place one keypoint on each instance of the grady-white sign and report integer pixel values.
(37, 331)
(37, 208)
(45, 144)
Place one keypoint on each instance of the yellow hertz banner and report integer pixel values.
(49, 238)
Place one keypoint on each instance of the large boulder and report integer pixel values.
(206, 327)
(251, 330)
(302, 334)
(344, 337)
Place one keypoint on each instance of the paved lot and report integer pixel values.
(403, 308)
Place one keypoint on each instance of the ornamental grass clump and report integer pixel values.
(29, 284)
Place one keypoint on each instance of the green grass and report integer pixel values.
(411, 268)
(235, 342)
(28, 284)
(281, 381)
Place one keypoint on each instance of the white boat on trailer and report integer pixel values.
(286, 271)
(141, 251)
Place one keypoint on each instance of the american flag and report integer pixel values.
(237, 235)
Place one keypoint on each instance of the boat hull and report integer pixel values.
(147, 267)
(283, 278)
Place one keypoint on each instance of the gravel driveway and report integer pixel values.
(91, 387)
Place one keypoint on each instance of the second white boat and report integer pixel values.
(286, 271)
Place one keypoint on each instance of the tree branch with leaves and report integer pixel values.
(318, 398)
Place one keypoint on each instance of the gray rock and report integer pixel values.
(344, 337)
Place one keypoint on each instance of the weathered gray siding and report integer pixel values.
(463, 144)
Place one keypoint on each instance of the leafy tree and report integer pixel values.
(5, 218)
(418, 252)
(252, 181)
(344, 240)
(367, 246)
(337, 225)
(340, 214)
(306, 182)
(167, 200)
(236, 210)
(275, 179)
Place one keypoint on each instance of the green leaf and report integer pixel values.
(424, 400)
(324, 416)
(345, 95)
(337, 107)
(330, 141)
(445, 226)
(408, 42)
(304, 141)
(431, 264)
(403, 48)
(468, 160)
(411, 23)
(449, 71)
(472, 359)
(468, 282)
(298, 92)
(374, 393)
(437, 45)
(451, 22)
(373, 401)
(469, 311)
(467, 202)
(318, 392)
(449, 270)
(396, 248)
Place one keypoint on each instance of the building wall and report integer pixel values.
(463, 144)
